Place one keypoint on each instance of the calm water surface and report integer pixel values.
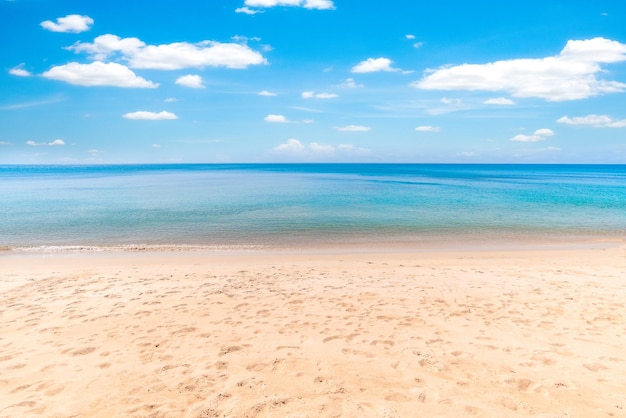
(300, 204)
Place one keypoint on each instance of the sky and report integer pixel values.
(230, 81)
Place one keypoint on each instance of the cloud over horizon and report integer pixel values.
(316, 151)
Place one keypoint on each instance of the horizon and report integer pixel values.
(312, 81)
(297, 163)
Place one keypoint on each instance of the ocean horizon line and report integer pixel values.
(303, 163)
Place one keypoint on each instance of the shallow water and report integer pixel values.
(307, 204)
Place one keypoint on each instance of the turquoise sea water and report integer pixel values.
(307, 204)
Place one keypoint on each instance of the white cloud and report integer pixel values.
(244, 39)
(276, 119)
(313, 95)
(247, 10)
(428, 128)
(98, 74)
(372, 65)
(20, 71)
(104, 46)
(283, 119)
(597, 121)
(353, 128)
(415, 44)
(292, 145)
(317, 150)
(266, 93)
(350, 84)
(4, 143)
(156, 146)
(319, 4)
(55, 143)
(145, 115)
(193, 81)
(307, 4)
(320, 148)
(183, 55)
(272, 3)
(538, 135)
(544, 132)
(451, 102)
(571, 75)
(467, 154)
(170, 100)
(174, 56)
(69, 23)
(326, 95)
(499, 101)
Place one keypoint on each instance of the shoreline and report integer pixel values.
(482, 333)
(459, 242)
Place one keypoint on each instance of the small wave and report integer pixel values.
(129, 248)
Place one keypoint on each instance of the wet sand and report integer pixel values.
(314, 334)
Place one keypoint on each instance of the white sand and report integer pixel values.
(517, 333)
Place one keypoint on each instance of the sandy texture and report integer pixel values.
(515, 333)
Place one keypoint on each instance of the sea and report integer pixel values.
(248, 206)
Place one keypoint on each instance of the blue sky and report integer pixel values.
(312, 80)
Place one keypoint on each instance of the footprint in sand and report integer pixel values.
(84, 351)
(256, 367)
(230, 349)
(386, 343)
(397, 397)
(327, 339)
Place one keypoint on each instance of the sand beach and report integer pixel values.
(520, 332)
